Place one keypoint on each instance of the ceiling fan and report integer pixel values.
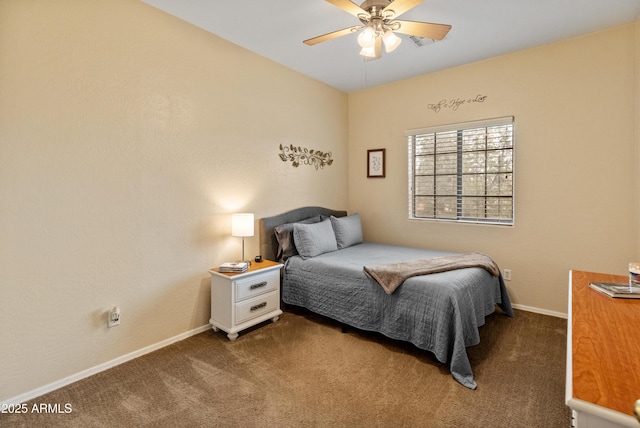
(379, 24)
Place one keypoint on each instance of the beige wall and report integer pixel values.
(575, 187)
(127, 137)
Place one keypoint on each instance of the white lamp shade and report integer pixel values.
(391, 41)
(242, 224)
(367, 38)
(368, 52)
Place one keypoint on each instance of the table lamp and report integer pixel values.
(242, 226)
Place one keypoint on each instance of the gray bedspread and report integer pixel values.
(439, 312)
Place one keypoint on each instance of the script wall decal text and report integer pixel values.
(455, 103)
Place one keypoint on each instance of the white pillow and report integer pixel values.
(348, 230)
(314, 239)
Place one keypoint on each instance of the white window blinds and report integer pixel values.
(462, 172)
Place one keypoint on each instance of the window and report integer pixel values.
(462, 172)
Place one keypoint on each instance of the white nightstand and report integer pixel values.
(241, 300)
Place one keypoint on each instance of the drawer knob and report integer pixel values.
(258, 306)
(258, 285)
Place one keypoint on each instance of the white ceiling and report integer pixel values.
(481, 29)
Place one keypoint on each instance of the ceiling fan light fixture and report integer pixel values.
(367, 38)
(378, 19)
(368, 52)
(391, 41)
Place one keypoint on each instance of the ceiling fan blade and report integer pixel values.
(426, 30)
(332, 35)
(349, 7)
(378, 49)
(398, 7)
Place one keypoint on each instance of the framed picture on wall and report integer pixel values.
(375, 163)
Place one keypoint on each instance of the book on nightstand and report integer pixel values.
(233, 267)
(613, 289)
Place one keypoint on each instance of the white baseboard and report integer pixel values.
(540, 311)
(128, 357)
(102, 367)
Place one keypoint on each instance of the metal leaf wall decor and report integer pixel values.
(303, 156)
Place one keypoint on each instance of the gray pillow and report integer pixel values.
(284, 236)
(314, 239)
(348, 230)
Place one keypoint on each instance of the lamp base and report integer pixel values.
(243, 259)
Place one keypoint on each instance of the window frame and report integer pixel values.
(460, 198)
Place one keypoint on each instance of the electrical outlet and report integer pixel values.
(507, 275)
(114, 317)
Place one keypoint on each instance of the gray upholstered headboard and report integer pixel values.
(268, 242)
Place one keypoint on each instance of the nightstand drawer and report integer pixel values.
(256, 307)
(257, 284)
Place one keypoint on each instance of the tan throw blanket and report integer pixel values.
(392, 275)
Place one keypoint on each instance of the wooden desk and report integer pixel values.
(603, 354)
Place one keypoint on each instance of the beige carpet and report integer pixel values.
(303, 372)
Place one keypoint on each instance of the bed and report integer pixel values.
(439, 312)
